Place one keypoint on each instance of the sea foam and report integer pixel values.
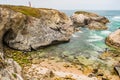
(116, 18)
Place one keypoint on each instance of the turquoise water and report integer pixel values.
(88, 42)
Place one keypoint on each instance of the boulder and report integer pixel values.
(113, 39)
(90, 20)
(27, 28)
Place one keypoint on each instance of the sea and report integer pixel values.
(89, 43)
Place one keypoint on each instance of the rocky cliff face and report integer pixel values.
(90, 20)
(26, 28)
(113, 39)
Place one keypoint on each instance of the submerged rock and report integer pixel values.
(26, 28)
(113, 39)
(90, 20)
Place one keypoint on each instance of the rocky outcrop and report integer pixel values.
(90, 20)
(10, 70)
(113, 39)
(26, 28)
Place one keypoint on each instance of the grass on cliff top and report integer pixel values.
(24, 9)
(34, 12)
(86, 13)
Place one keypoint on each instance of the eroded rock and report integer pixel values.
(90, 20)
(26, 28)
(113, 39)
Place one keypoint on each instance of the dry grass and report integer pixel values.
(24, 9)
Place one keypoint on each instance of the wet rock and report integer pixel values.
(113, 39)
(90, 20)
(38, 28)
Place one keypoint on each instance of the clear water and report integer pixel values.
(88, 42)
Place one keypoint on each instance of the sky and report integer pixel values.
(69, 4)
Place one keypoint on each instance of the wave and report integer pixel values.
(95, 38)
(73, 35)
(105, 32)
(116, 18)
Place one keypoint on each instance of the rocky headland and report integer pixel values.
(25, 29)
(89, 20)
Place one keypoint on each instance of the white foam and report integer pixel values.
(105, 32)
(95, 38)
(116, 18)
(73, 35)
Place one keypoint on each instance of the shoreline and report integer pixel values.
(60, 69)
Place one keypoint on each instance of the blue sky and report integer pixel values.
(69, 4)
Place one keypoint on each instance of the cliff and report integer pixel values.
(26, 28)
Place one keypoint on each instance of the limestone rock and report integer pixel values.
(96, 25)
(10, 71)
(26, 28)
(113, 39)
(90, 20)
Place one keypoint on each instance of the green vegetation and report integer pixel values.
(36, 12)
(14, 75)
(22, 58)
(24, 9)
(86, 13)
